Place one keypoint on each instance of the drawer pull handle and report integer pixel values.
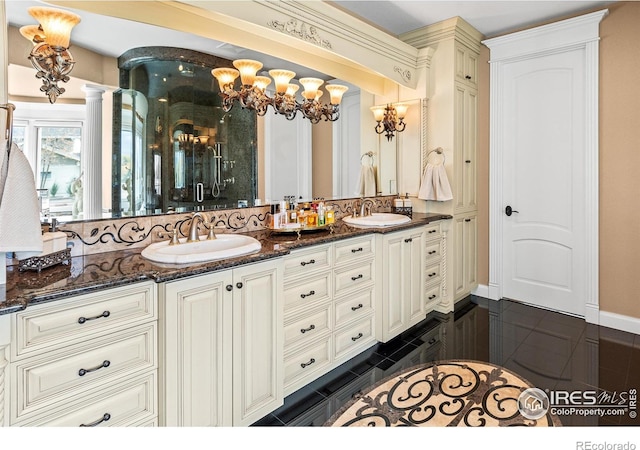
(433, 274)
(433, 231)
(409, 240)
(433, 252)
(304, 263)
(239, 285)
(308, 295)
(229, 287)
(467, 77)
(304, 330)
(355, 308)
(355, 338)
(356, 250)
(82, 320)
(311, 361)
(83, 372)
(432, 341)
(431, 297)
(357, 278)
(104, 418)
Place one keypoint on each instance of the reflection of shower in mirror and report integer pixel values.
(217, 171)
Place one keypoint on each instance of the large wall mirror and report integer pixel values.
(289, 157)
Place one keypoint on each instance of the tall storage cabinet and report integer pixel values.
(452, 109)
(222, 345)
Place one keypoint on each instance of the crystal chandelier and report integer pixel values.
(252, 93)
(390, 118)
(50, 54)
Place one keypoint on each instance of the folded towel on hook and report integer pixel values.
(19, 209)
(435, 184)
(367, 182)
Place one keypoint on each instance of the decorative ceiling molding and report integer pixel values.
(299, 29)
(404, 73)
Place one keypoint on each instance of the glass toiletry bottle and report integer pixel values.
(321, 215)
(312, 218)
(330, 215)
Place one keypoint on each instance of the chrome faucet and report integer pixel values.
(364, 210)
(197, 218)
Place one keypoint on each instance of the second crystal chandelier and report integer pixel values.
(252, 94)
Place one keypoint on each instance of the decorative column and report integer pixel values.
(92, 156)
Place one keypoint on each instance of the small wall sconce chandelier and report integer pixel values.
(390, 118)
(50, 55)
(252, 93)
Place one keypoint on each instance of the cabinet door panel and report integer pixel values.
(258, 342)
(413, 261)
(393, 314)
(197, 364)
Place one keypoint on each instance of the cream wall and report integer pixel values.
(619, 162)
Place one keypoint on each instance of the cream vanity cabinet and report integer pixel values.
(89, 360)
(452, 125)
(434, 268)
(465, 275)
(402, 277)
(222, 346)
(329, 293)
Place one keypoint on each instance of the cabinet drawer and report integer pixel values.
(353, 249)
(432, 297)
(354, 336)
(432, 252)
(309, 290)
(44, 381)
(306, 362)
(305, 261)
(353, 307)
(64, 322)
(307, 327)
(432, 273)
(129, 403)
(353, 277)
(432, 231)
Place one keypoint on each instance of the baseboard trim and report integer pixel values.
(602, 318)
(620, 322)
(481, 290)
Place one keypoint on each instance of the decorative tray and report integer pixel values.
(300, 229)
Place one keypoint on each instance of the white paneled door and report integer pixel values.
(544, 166)
(543, 181)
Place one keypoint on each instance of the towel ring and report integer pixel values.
(369, 154)
(439, 151)
(9, 130)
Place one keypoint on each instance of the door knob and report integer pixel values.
(509, 210)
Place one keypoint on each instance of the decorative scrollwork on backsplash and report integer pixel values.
(127, 234)
(299, 30)
(405, 74)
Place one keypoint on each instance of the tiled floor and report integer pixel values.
(551, 350)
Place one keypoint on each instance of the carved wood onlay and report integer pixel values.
(300, 30)
(3, 383)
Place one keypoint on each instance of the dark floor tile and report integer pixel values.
(367, 364)
(618, 336)
(294, 406)
(385, 364)
(268, 421)
(402, 352)
(614, 355)
(613, 380)
(336, 383)
(522, 315)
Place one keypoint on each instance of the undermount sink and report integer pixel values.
(377, 220)
(224, 246)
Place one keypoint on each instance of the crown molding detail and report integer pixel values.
(292, 28)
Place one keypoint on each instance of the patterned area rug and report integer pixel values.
(448, 393)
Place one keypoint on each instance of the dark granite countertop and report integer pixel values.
(89, 273)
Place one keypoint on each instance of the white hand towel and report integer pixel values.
(367, 182)
(435, 184)
(19, 210)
